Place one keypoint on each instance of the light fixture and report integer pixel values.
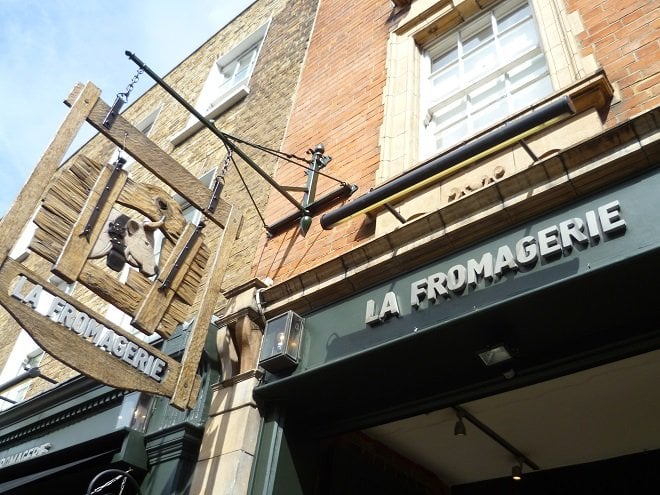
(280, 346)
(495, 355)
(516, 471)
(459, 427)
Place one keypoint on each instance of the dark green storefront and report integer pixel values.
(59, 441)
(588, 297)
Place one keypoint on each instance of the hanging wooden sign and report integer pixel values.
(93, 220)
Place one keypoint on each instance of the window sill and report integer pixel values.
(231, 99)
(590, 97)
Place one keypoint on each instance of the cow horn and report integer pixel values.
(154, 225)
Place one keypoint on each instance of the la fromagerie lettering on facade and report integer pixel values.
(548, 245)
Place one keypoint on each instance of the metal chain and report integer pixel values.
(123, 484)
(226, 162)
(130, 86)
(108, 483)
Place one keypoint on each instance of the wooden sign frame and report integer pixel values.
(58, 335)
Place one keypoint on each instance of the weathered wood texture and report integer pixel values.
(11, 225)
(185, 393)
(158, 298)
(74, 350)
(60, 225)
(79, 243)
(162, 165)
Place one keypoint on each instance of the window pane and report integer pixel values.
(519, 40)
(514, 17)
(491, 113)
(472, 42)
(444, 60)
(527, 72)
(527, 95)
(487, 93)
(480, 62)
(446, 81)
(451, 134)
(450, 113)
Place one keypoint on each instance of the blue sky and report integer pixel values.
(46, 46)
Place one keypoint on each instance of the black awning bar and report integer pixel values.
(29, 374)
(430, 172)
(496, 437)
(341, 192)
(209, 125)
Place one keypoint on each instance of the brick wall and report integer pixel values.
(624, 37)
(338, 103)
(260, 118)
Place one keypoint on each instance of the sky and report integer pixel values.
(46, 46)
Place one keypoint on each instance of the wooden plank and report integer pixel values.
(185, 393)
(154, 202)
(162, 165)
(154, 305)
(78, 245)
(81, 101)
(109, 288)
(79, 352)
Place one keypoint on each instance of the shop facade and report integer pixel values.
(83, 437)
(482, 308)
(545, 332)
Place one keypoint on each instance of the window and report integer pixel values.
(441, 43)
(488, 69)
(228, 82)
(190, 213)
(225, 78)
(25, 354)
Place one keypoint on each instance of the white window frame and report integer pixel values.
(211, 102)
(466, 124)
(429, 20)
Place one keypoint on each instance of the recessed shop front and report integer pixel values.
(541, 341)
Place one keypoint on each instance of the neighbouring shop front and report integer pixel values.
(534, 349)
(80, 436)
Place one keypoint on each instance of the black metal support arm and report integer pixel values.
(209, 125)
(425, 174)
(342, 192)
(497, 438)
(29, 374)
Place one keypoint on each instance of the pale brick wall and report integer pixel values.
(260, 118)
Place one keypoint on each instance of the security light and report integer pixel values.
(495, 355)
(280, 347)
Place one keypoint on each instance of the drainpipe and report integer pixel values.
(29, 374)
(432, 171)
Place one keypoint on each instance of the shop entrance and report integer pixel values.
(594, 431)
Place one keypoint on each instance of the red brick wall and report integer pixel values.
(623, 36)
(338, 103)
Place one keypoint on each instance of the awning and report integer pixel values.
(8, 486)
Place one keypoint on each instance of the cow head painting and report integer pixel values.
(127, 241)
